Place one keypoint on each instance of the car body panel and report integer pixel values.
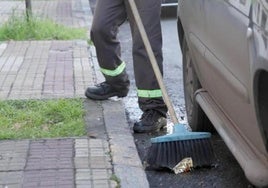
(229, 48)
(254, 164)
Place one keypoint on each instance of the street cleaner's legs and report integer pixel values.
(149, 93)
(108, 16)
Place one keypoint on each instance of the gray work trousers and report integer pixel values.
(108, 16)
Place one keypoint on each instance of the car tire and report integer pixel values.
(196, 117)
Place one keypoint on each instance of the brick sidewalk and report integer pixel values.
(44, 69)
(63, 69)
(57, 163)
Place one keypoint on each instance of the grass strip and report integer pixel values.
(20, 28)
(30, 119)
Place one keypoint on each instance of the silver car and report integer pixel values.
(225, 69)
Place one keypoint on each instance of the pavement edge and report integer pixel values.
(125, 159)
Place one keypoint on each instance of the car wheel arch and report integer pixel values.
(197, 118)
(260, 91)
(180, 32)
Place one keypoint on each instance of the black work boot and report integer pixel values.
(104, 91)
(150, 121)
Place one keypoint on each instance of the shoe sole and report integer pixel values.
(104, 97)
(163, 125)
(150, 131)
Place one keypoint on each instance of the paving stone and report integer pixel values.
(100, 162)
(101, 184)
(47, 154)
(81, 162)
(49, 178)
(81, 142)
(83, 174)
(83, 186)
(10, 185)
(8, 178)
(101, 174)
(83, 182)
(13, 155)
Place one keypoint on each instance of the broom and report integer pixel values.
(168, 150)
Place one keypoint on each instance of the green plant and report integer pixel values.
(116, 179)
(33, 28)
(90, 42)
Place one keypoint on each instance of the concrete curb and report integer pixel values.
(125, 158)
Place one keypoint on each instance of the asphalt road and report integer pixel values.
(226, 172)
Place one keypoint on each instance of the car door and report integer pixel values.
(227, 56)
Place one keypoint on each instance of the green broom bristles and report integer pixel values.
(167, 151)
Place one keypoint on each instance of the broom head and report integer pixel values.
(168, 150)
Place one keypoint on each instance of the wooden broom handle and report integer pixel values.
(153, 61)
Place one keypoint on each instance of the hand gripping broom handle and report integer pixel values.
(153, 61)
